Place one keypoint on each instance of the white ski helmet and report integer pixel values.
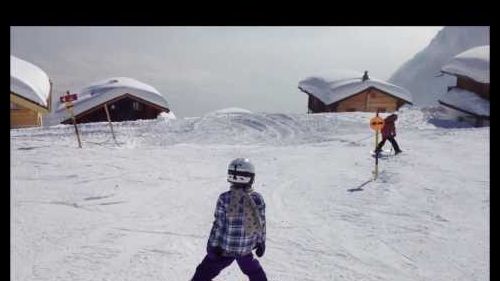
(241, 171)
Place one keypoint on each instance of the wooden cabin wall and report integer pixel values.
(482, 89)
(381, 101)
(315, 105)
(23, 117)
(353, 103)
(369, 101)
(123, 109)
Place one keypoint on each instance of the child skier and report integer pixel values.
(239, 227)
(389, 133)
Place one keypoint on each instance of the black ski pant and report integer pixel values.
(393, 142)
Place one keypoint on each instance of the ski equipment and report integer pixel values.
(381, 154)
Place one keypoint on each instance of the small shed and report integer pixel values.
(351, 91)
(30, 94)
(126, 99)
(470, 98)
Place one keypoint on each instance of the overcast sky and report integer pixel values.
(202, 69)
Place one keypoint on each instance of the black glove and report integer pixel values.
(261, 248)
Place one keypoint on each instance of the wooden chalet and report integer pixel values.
(353, 94)
(469, 98)
(125, 98)
(30, 94)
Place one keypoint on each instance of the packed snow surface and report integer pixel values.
(143, 209)
(29, 81)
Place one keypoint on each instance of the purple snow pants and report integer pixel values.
(212, 265)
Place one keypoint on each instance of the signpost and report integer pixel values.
(109, 121)
(68, 102)
(376, 123)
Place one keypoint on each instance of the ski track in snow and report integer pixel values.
(142, 210)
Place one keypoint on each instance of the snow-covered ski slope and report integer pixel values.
(143, 210)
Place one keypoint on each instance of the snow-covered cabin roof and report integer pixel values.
(473, 63)
(466, 101)
(29, 81)
(100, 92)
(343, 84)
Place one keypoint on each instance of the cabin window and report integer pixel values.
(373, 95)
(136, 105)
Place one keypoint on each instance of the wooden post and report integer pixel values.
(375, 171)
(376, 123)
(376, 154)
(69, 106)
(109, 121)
(376, 134)
(68, 103)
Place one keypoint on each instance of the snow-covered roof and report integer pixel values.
(100, 92)
(467, 101)
(473, 63)
(345, 84)
(29, 81)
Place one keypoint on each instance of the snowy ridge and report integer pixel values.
(235, 126)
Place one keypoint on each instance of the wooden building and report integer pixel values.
(125, 98)
(467, 83)
(351, 93)
(469, 99)
(30, 94)
(368, 100)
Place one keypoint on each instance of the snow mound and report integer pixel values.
(230, 110)
(165, 115)
(241, 127)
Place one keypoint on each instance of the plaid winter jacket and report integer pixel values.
(229, 234)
